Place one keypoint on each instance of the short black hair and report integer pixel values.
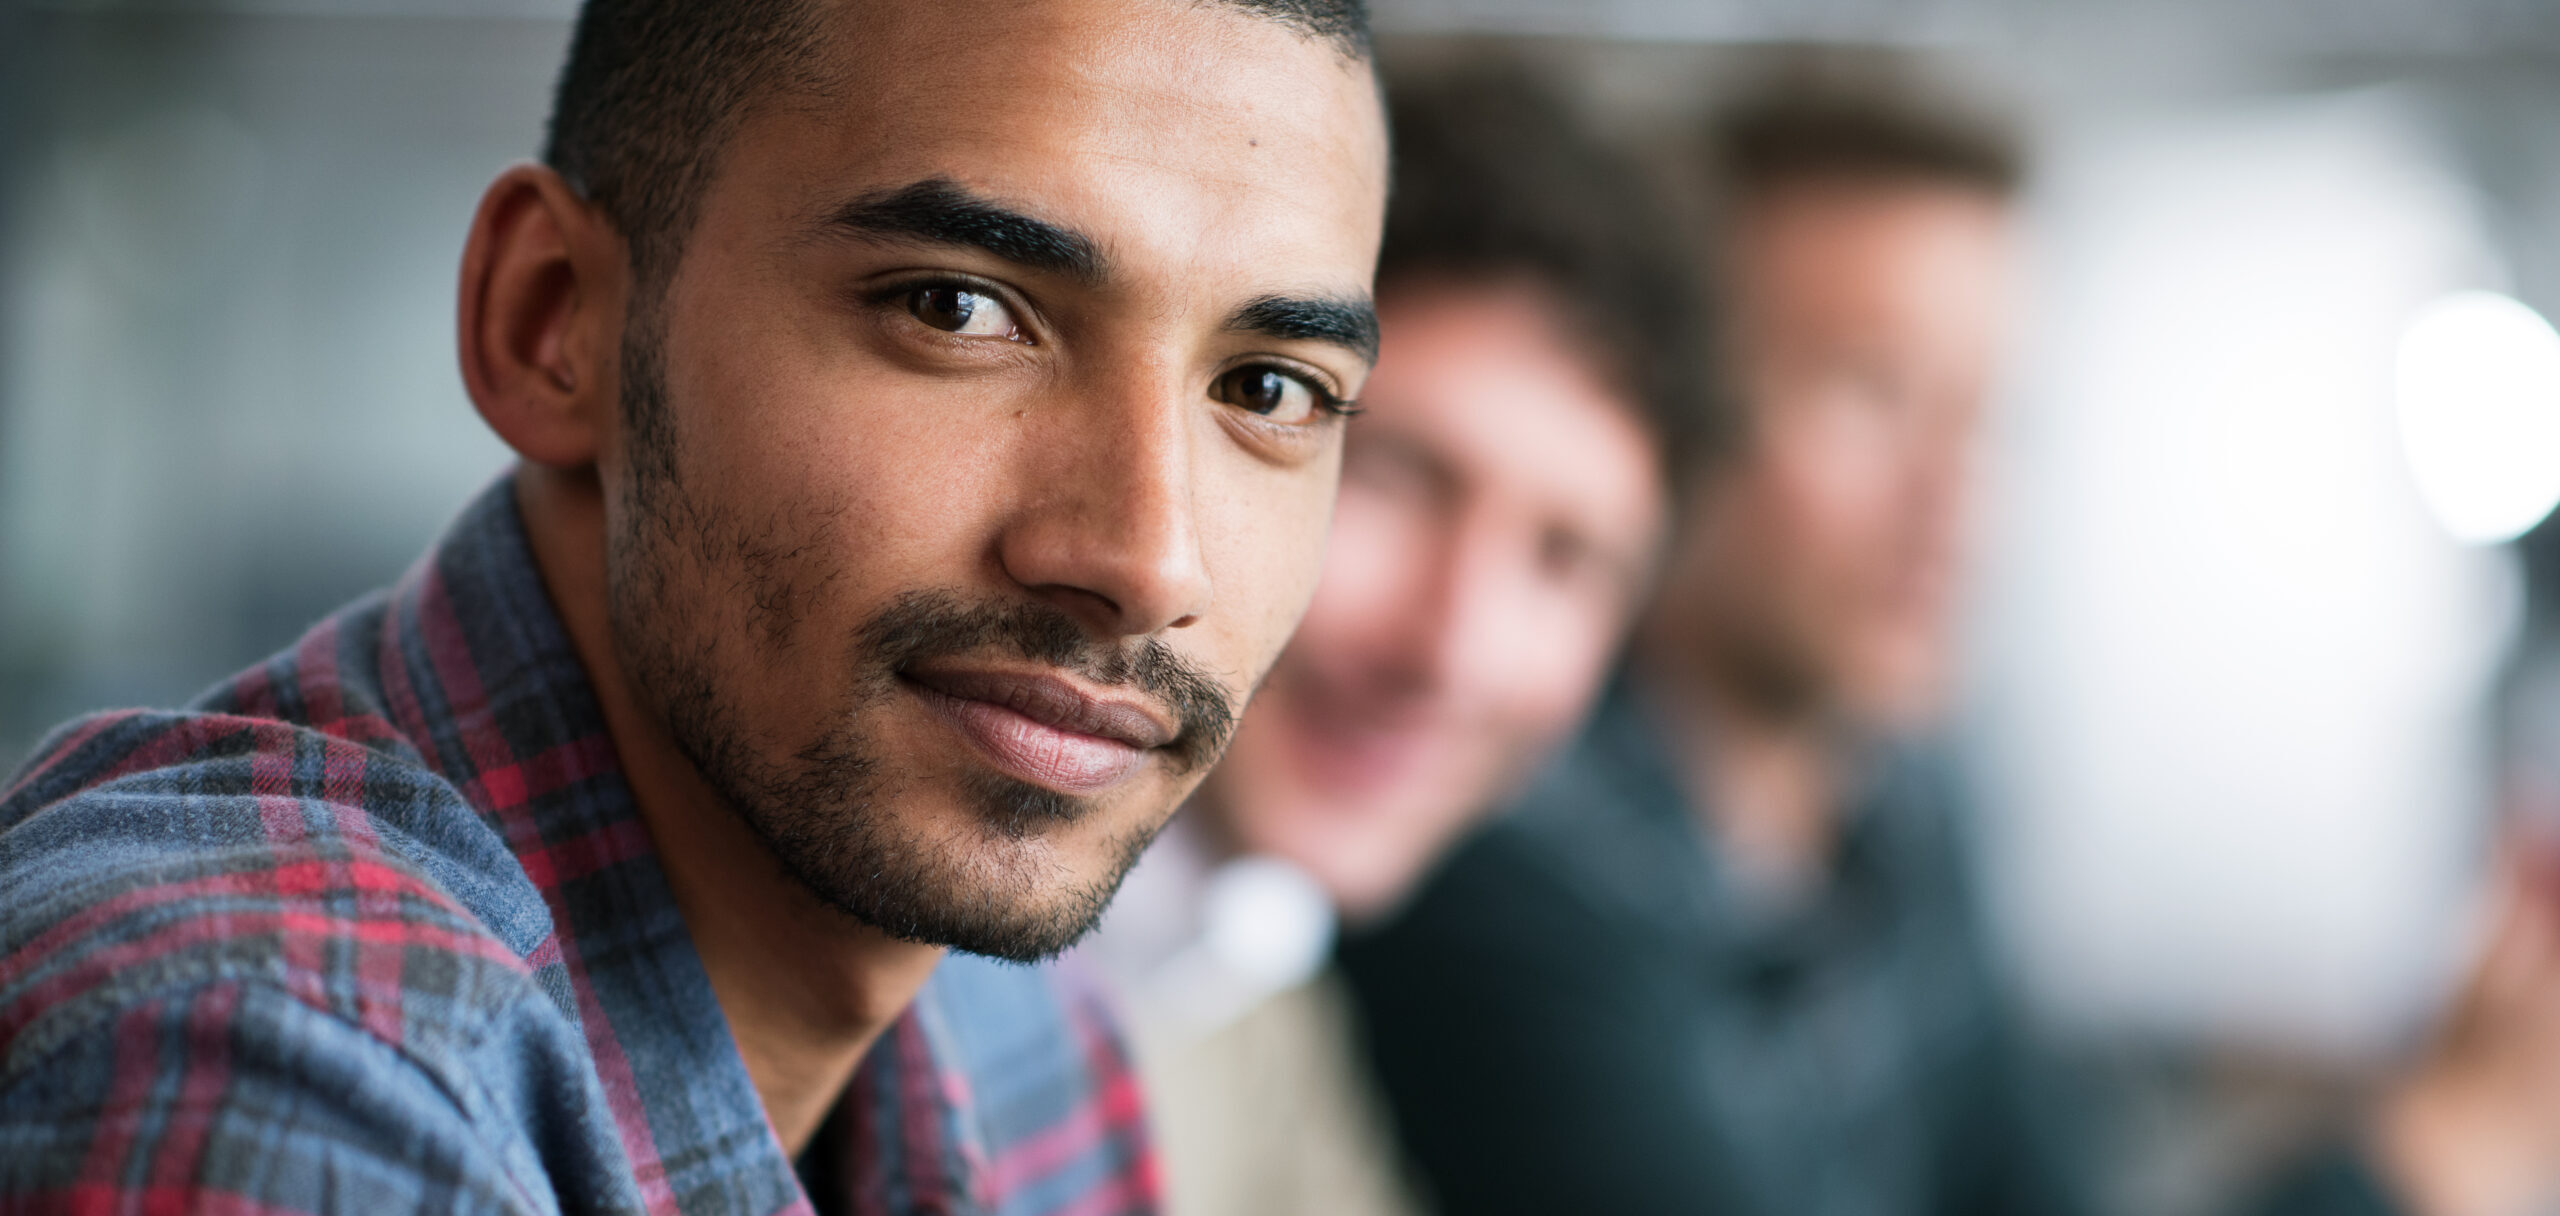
(1344, 23)
(653, 88)
(1790, 134)
(1498, 179)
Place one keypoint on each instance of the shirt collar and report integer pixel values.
(487, 680)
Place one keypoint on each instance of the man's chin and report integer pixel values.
(983, 906)
(1022, 880)
(1020, 811)
(1362, 767)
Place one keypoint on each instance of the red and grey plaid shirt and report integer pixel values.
(375, 928)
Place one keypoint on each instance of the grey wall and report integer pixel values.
(228, 399)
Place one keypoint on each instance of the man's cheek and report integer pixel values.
(1282, 625)
(1269, 572)
(1369, 566)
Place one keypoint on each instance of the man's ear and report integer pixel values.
(543, 285)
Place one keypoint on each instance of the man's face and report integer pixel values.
(1869, 316)
(1500, 507)
(982, 460)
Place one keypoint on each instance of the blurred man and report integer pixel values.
(1726, 959)
(927, 441)
(1503, 497)
(1723, 961)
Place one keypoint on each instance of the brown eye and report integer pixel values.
(1272, 393)
(961, 310)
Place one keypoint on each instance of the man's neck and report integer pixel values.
(1765, 780)
(806, 990)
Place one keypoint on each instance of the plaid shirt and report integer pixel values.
(375, 928)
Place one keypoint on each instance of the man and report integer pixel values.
(1504, 493)
(1726, 959)
(1723, 964)
(927, 441)
(1723, 954)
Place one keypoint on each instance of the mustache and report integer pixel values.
(922, 625)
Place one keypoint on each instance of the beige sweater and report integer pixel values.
(1275, 1114)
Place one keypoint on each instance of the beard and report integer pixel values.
(828, 809)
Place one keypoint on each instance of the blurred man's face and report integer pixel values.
(1499, 511)
(992, 460)
(1868, 318)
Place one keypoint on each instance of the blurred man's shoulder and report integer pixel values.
(1602, 828)
(1277, 1113)
(1533, 883)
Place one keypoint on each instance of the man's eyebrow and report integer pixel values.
(941, 211)
(1346, 322)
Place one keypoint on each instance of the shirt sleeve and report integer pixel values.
(234, 1096)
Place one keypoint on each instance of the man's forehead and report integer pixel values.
(1168, 132)
(1922, 271)
(1125, 76)
(1512, 408)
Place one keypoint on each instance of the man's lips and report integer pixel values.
(1041, 728)
(1354, 759)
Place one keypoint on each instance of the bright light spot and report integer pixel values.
(2479, 391)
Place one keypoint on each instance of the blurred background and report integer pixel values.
(2264, 632)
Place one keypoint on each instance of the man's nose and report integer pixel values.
(1937, 484)
(1451, 619)
(1109, 529)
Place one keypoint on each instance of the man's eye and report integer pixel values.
(1277, 395)
(962, 310)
